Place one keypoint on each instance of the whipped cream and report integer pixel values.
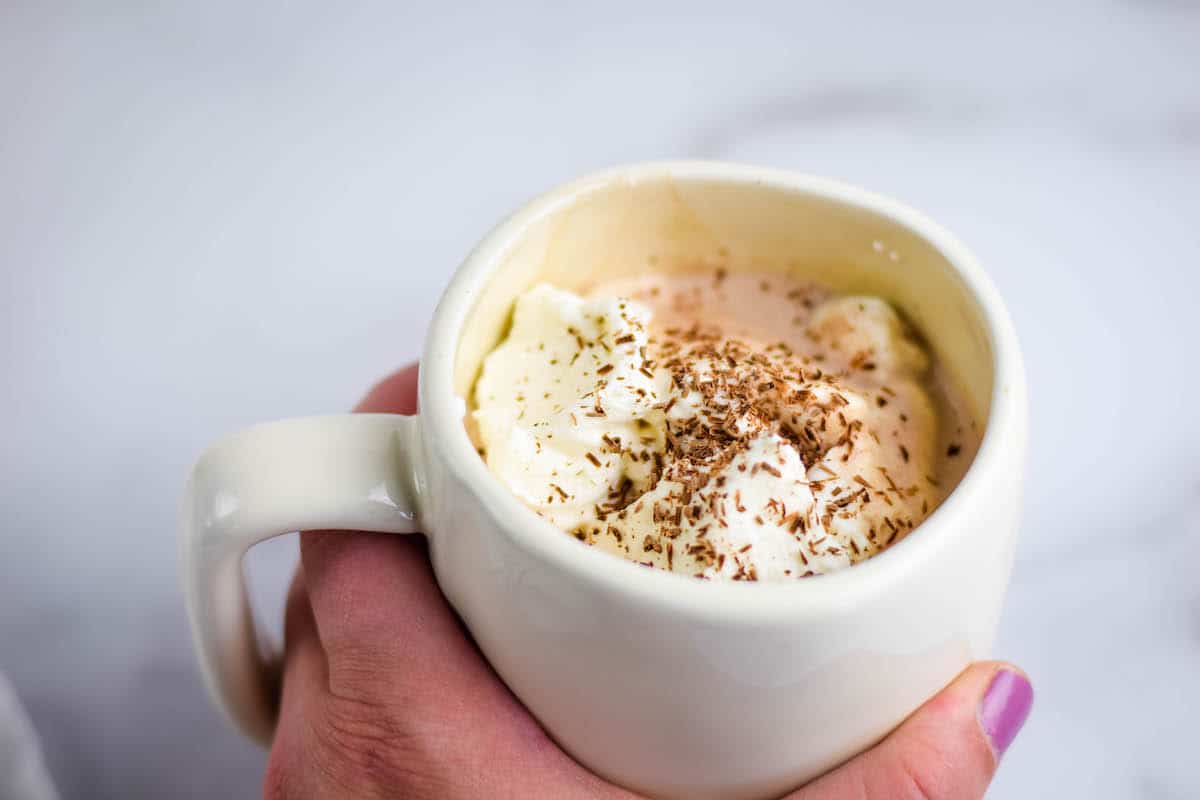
(721, 426)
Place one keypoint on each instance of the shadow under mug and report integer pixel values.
(662, 683)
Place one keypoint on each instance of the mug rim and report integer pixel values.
(445, 435)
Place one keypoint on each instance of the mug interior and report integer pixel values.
(672, 221)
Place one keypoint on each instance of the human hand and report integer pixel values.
(386, 696)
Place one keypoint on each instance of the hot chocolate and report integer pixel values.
(735, 426)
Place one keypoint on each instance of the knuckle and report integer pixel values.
(362, 728)
(365, 747)
(919, 784)
(355, 675)
(927, 773)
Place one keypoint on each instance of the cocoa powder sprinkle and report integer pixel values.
(737, 395)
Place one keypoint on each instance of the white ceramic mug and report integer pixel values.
(660, 682)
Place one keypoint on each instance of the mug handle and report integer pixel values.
(344, 472)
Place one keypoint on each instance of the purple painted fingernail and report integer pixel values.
(1004, 708)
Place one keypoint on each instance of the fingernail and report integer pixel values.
(1004, 708)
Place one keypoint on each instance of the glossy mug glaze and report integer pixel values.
(660, 682)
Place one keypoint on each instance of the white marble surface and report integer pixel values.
(218, 214)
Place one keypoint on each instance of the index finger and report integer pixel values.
(395, 394)
(373, 595)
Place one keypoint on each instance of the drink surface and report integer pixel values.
(726, 426)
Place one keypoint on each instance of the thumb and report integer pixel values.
(947, 750)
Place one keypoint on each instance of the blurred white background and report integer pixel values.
(219, 214)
